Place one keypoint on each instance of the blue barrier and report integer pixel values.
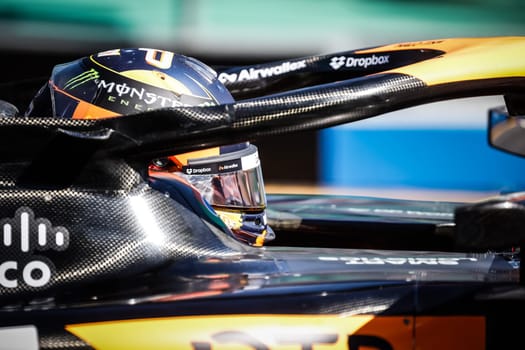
(422, 156)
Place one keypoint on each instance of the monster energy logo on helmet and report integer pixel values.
(82, 78)
(123, 91)
(149, 95)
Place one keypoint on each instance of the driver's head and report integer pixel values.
(128, 81)
(230, 179)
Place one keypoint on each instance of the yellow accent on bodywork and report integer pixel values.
(463, 59)
(284, 332)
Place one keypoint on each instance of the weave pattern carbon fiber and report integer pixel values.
(62, 340)
(78, 236)
(307, 108)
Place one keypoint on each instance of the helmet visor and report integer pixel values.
(233, 180)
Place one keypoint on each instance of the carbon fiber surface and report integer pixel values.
(60, 238)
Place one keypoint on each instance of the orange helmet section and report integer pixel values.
(181, 160)
(85, 110)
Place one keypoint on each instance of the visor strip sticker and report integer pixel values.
(244, 163)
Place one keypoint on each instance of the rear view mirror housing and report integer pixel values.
(506, 132)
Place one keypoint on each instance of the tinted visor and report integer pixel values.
(232, 180)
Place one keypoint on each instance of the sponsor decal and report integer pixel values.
(82, 78)
(216, 168)
(358, 260)
(228, 167)
(286, 332)
(141, 98)
(138, 96)
(196, 171)
(337, 62)
(21, 236)
(248, 74)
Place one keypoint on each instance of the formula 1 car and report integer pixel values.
(93, 257)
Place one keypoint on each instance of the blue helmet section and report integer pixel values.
(127, 81)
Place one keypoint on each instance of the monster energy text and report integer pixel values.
(123, 94)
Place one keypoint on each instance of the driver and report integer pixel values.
(128, 81)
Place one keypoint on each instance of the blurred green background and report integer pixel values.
(37, 34)
(245, 28)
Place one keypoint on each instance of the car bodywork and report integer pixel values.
(97, 256)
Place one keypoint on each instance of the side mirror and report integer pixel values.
(506, 133)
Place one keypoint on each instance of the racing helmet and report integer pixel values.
(230, 179)
(128, 81)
